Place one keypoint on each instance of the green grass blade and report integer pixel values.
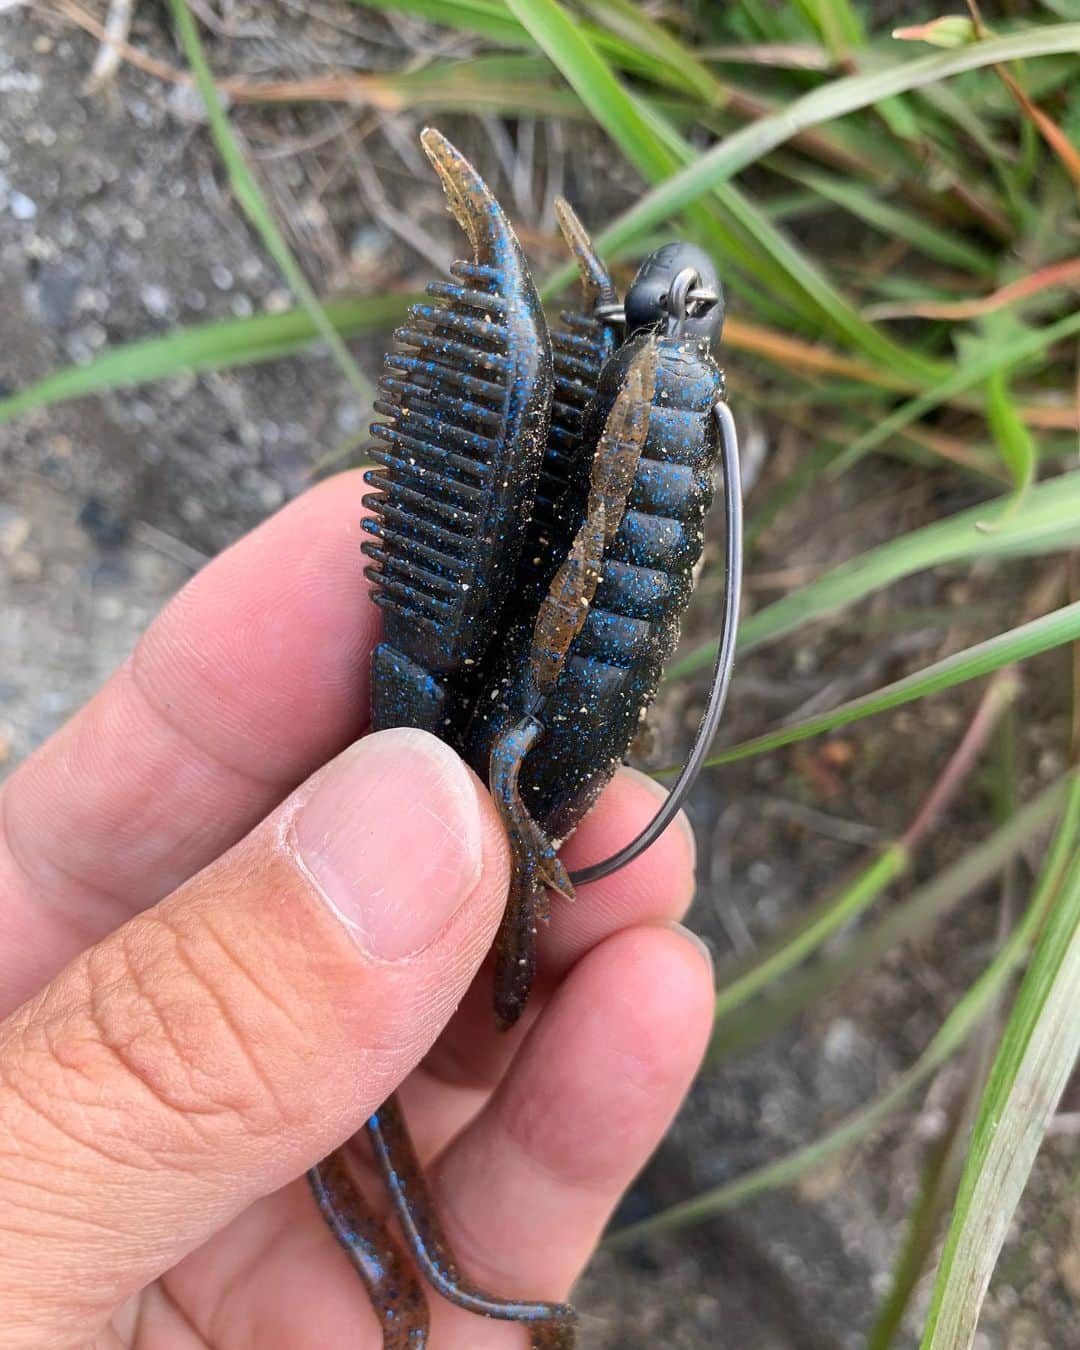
(492, 19)
(817, 922)
(1018, 644)
(836, 22)
(516, 84)
(1045, 522)
(1013, 439)
(940, 1175)
(747, 1026)
(207, 346)
(1036, 1057)
(972, 1007)
(989, 360)
(829, 101)
(589, 75)
(656, 150)
(251, 200)
(824, 919)
(636, 27)
(944, 246)
(486, 18)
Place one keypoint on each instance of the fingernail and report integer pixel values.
(695, 940)
(392, 839)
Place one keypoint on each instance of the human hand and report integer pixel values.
(227, 956)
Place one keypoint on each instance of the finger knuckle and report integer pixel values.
(193, 1043)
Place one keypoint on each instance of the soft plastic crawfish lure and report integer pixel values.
(537, 515)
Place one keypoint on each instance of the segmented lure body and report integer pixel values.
(615, 662)
(536, 516)
(468, 393)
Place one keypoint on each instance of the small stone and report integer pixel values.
(25, 566)
(186, 104)
(841, 1041)
(14, 532)
(105, 526)
(21, 206)
(271, 494)
(94, 335)
(156, 300)
(806, 660)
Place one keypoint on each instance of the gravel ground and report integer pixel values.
(115, 224)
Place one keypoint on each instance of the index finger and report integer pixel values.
(254, 675)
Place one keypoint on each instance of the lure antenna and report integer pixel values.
(725, 660)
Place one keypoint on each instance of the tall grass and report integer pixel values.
(949, 337)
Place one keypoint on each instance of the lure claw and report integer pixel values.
(595, 278)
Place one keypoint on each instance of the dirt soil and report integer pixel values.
(116, 224)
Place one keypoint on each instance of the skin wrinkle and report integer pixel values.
(476, 1254)
(70, 1225)
(281, 1005)
(198, 1103)
(238, 1279)
(36, 1105)
(222, 1106)
(45, 892)
(319, 580)
(60, 1120)
(77, 879)
(94, 1139)
(143, 686)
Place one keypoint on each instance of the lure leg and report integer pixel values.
(536, 867)
(395, 1293)
(551, 1325)
(561, 616)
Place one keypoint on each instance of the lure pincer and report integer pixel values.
(468, 395)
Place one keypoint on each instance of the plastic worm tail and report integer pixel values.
(550, 1324)
(396, 1294)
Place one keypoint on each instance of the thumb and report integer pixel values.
(217, 1045)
